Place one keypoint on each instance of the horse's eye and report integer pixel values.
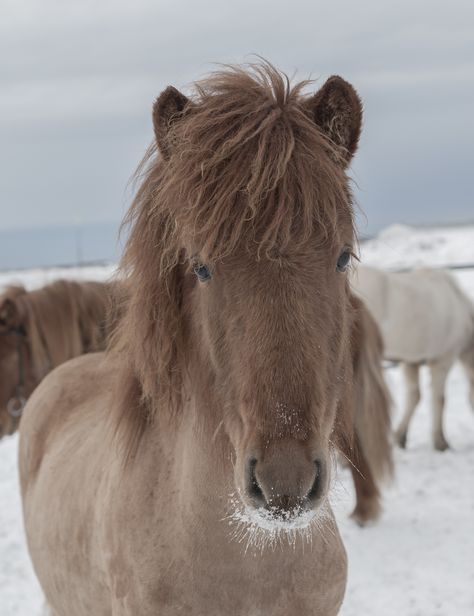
(202, 272)
(343, 261)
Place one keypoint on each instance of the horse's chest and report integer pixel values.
(206, 595)
(224, 580)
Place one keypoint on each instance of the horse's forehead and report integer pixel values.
(289, 261)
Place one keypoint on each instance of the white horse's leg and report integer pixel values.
(467, 359)
(439, 373)
(412, 397)
(470, 376)
(471, 389)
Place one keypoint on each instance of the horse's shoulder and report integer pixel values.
(70, 392)
(80, 372)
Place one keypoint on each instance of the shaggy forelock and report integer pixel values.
(248, 164)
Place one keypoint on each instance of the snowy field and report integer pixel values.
(34, 278)
(419, 559)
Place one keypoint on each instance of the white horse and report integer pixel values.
(425, 318)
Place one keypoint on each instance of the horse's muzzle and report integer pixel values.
(285, 480)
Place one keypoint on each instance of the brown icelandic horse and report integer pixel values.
(41, 329)
(187, 471)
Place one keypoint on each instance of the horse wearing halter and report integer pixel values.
(16, 404)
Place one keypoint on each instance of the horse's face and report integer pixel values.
(270, 317)
(277, 336)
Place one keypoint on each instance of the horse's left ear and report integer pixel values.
(337, 109)
(167, 110)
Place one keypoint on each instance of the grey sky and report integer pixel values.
(77, 81)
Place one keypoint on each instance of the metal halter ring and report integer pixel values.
(15, 406)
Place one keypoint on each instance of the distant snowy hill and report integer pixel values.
(400, 247)
(34, 278)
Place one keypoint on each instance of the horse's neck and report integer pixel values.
(53, 332)
(202, 450)
(182, 459)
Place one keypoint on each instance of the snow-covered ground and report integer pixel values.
(419, 559)
(34, 278)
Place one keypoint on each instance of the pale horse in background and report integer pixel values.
(425, 318)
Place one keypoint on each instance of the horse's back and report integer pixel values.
(423, 314)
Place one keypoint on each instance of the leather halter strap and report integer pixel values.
(16, 404)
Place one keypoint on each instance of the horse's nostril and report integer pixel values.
(254, 489)
(316, 488)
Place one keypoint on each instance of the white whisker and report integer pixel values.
(262, 529)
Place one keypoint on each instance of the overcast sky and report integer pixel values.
(77, 81)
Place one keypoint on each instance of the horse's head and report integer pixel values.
(247, 223)
(12, 361)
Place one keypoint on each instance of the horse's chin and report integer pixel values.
(266, 527)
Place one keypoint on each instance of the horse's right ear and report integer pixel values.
(337, 110)
(167, 110)
(9, 314)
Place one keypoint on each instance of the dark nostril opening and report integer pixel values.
(316, 488)
(255, 491)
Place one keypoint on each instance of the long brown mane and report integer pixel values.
(371, 395)
(240, 177)
(61, 320)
